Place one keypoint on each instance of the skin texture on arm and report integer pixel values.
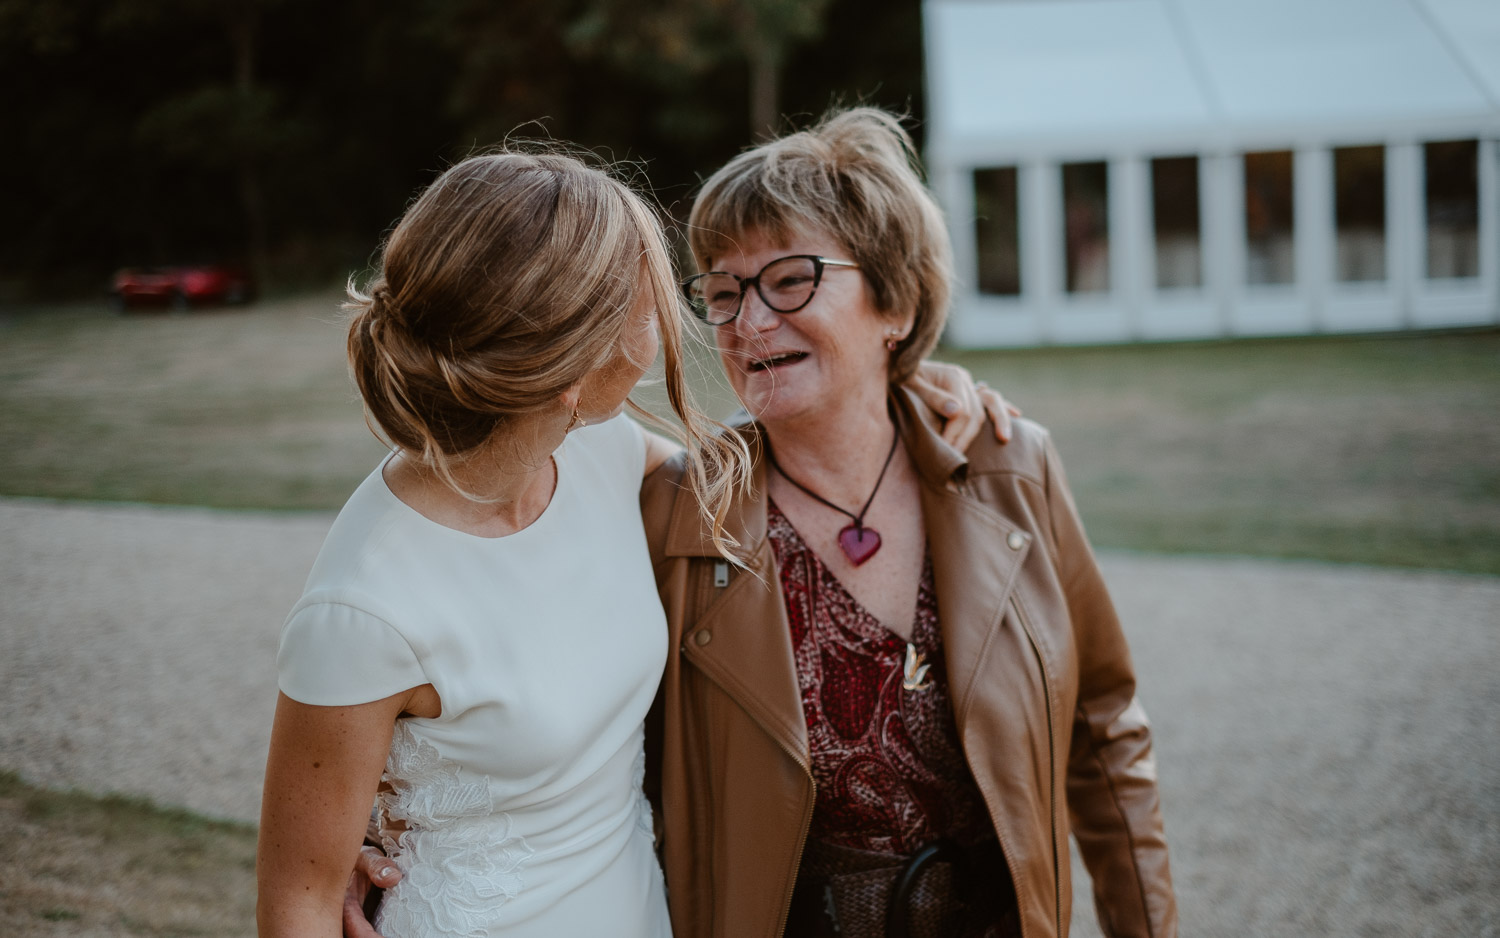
(321, 775)
(659, 449)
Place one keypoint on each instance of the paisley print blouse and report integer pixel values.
(890, 771)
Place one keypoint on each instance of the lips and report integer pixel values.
(775, 361)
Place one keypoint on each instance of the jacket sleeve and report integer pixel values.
(1111, 779)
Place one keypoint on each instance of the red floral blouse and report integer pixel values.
(890, 771)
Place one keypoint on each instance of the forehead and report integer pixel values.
(756, 247)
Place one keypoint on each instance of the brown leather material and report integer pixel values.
(1041, 680)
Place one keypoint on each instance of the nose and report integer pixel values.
(755, 316)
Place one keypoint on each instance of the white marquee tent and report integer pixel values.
(1120, 170)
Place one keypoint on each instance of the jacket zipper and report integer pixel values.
(719, 581)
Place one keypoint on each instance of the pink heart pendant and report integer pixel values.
(859, 544)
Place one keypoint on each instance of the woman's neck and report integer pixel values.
(838, 452)
(512, 479)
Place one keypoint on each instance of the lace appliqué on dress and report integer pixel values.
(459, 861)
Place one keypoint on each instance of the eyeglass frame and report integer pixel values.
(819, 262)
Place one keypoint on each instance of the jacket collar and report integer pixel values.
(939, 465)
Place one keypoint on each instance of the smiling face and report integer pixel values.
(788, 367)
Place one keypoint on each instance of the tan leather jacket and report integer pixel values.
(1041, 683)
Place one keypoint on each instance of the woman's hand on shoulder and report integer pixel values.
(963, 403)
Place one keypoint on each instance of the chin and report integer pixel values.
(772, 405)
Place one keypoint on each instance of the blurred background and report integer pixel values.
(287, 136)
(1242, 257)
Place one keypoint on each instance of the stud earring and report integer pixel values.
(892, 339)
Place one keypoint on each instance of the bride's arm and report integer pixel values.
(321, 775)
(659, 449)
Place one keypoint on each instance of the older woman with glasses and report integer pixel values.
(888, 717)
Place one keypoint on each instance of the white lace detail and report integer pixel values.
(459, 861)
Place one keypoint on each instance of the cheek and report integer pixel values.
(653, 345)
(725, 344)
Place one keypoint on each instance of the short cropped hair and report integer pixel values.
(855, 176)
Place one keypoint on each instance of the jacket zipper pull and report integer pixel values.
(721, 574)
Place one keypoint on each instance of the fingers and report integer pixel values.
(999, 410)
(355, 923)
(937, 388)
(371, 868)
(376, 868)
(964, 425)
(950, 390)
(962, 408)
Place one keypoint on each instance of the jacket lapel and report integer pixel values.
(973, 573)
(976, 552)
(741, 641)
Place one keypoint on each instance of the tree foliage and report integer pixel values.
(289, 135)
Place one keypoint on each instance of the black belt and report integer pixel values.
(940, 890)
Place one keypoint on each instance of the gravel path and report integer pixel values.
(1327, 739)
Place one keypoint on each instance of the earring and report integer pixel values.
(575, 422)
(892, 339)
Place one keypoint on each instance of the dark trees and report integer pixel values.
(289, 135)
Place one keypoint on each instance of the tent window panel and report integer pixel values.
(997, 231)
(1086, 223)
(1452, 209)
(1270, 255)
(1174, 212)
(1359, 213)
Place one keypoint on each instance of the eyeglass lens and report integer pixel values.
(785, 285)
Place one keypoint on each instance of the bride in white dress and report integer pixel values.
(480, 637)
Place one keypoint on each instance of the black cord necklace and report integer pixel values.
(858, 542)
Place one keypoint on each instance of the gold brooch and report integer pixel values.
(915, 672)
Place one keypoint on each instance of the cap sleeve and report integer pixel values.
(620, 445)
(334, 654)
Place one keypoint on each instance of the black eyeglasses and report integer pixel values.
(784, 285)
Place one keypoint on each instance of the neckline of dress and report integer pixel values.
(560, 489)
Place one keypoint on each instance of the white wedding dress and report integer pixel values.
(517, 812)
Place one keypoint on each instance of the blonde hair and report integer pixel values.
(507, 281)
(854, 176)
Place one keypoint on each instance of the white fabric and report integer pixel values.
(518, 812)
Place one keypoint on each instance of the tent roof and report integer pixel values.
(1021, 74)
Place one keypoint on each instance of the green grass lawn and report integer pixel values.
(1382, 450)
(75, 864)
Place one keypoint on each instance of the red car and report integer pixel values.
(181, 287)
